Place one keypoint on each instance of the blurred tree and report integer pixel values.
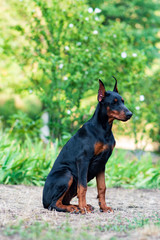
(142, 16)
(7, 108)
(23, 127)
(64, 47)
(68, 50)
(12, 21)
(152, 113)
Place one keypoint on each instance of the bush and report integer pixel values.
(23, 126)
(29, 163)
(65, 46)
(7, 109)
(68, 50)
(143, 19)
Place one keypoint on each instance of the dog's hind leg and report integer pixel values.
(70, 194)
(63, 203)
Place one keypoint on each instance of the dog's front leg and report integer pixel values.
(101, 187)
(82, 168)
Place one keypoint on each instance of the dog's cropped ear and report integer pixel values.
(101, 91)
(115, 86)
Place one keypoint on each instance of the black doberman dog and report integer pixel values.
(84, 157)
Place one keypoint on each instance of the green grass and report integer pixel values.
(46, 231)
(125, 225)
(29, 163)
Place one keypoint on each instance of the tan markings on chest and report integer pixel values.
(100, 147)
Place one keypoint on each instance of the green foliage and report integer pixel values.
(42, 231)
(123, 171)
(141, 16)
(45, 231)
(12, 79)
(31, 162)
(32, 106)
(143, 19)
(28, 163)
(63, 48)
(7, 109)
(11, 104)
(131, 172)
(124, 225)
(23, 126)
(68, 53)
(152, 114)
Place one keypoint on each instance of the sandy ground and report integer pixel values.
(24, 203)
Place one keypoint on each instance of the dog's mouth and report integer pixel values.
(122, 115)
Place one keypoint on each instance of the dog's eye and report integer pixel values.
(115, 101)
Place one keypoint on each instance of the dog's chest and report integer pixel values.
(102, 151)
(104, 145)
(101, 147)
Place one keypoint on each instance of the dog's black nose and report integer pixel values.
(129, 115)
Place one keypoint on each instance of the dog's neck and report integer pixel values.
(101, 118)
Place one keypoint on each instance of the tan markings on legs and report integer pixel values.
(101, 187)
(82, 198)
(68, 208)
(99, 147)
(84, 207)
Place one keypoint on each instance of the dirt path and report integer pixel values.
(131, 207)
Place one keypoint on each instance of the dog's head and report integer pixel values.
(113, 103)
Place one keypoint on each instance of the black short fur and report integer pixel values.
(84, 156)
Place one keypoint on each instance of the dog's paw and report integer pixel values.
(73, 209)
(90, 208)
(106, 209)
(87, 209)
